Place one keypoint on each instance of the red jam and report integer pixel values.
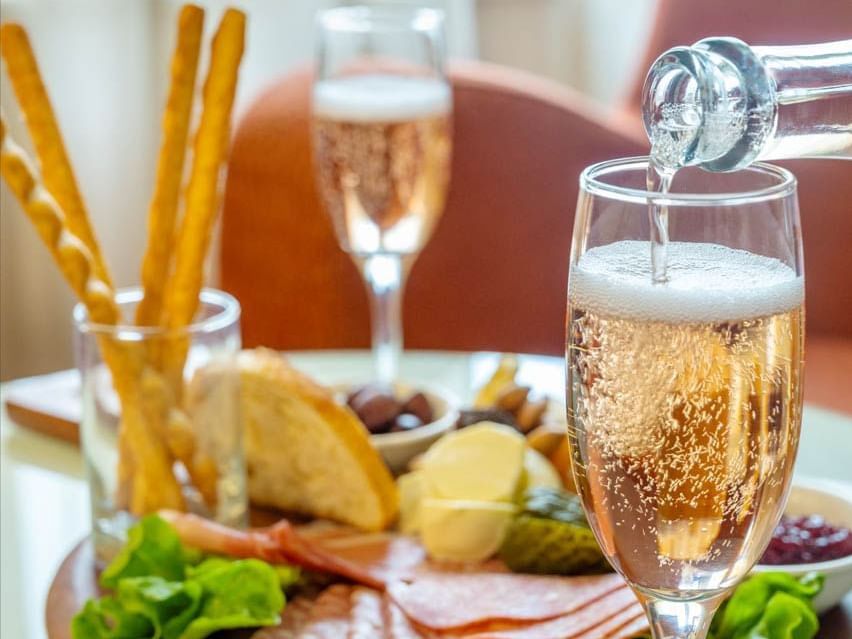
(805, 540)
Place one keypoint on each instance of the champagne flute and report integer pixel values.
(684, 396)
(381, 141)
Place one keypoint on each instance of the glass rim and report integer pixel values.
(229, 313)
(367, 18)
(784, 186)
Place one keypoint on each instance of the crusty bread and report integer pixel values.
(305, 452)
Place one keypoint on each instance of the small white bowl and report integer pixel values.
(833, 501)
(397, 449)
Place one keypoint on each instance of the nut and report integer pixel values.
(530, 414)
(512, 398)
(471, 417)
(376, 408)
(420, 407)
(546, 438)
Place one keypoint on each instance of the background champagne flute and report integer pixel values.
(684, 397)
(381, 137)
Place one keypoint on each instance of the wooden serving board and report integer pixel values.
(76, 581)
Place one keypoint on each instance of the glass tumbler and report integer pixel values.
(160, 417)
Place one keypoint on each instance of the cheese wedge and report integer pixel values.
(305, 452)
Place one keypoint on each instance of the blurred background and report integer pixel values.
(106, 67)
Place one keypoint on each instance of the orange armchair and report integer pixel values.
(494, 274)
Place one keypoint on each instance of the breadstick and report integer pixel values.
(154, 485)
(210, 151)
(164, 204)
(44, 131)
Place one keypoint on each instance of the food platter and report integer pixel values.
(75, 581)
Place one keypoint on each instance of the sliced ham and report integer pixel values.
(443, 601)
(330, 618)
(294, 618)
(636, 627)
(615, 624)
(397, 624)
(366, 620)
(573, 624)
(283, 543)
(385, 556)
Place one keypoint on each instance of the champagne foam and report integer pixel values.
(707, 283)
(381, 98)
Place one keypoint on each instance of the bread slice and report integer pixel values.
(305, 452)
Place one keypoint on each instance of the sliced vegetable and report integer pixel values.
(552, 536)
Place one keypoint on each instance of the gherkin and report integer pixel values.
(551, 536)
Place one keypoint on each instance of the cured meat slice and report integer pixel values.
(636, 627)
(367, 618)
(385, 556)
(443, 601)
(331, 615)
(397, 624)
(586, 619)
(279, 543)
(615, 624)
(294, 617)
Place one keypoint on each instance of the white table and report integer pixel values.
(44, 506)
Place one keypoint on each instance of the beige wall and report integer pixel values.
(106, 61)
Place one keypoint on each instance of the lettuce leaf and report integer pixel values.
(104, 618)
(168, 605)
(237, 594)
(153, 549)
(161, 591)
(769, 605)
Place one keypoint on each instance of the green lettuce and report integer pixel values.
(153, 549)
(163, 590)
(769, 605)
(237, 594)
(104, 618)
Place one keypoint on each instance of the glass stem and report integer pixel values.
(385, 277)
(680, 619)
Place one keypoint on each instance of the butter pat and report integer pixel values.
(463, 530)
(483, 462)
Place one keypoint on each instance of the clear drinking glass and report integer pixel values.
(381, 141)
(684, 397)
(134, 440)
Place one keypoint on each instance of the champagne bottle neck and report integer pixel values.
(722, 104)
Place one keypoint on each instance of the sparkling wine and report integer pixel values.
(382, 156)
(684, 402)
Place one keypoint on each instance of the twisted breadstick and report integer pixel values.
(154, 486)
(55, 166)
